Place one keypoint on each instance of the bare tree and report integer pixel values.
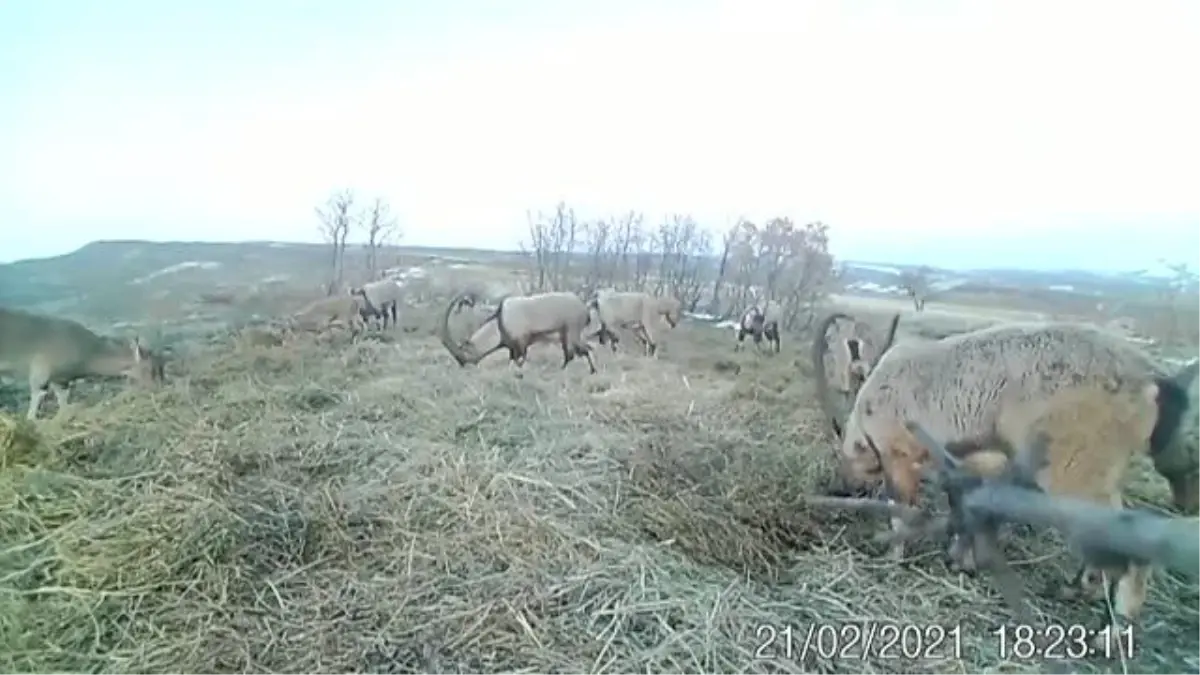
(779, 265)
(552, 247)
(1177, 320)
(916, 284)
(683, 249)
(728, 242)
(337, 217)
(381, 229)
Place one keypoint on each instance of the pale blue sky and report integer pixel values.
(1021, 133)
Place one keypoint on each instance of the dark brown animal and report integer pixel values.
(756, 324)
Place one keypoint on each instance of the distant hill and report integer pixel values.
(885, 278)
(107, 275)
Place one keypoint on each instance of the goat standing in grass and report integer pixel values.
(960, 387)
(380, 299)
(519, 322)
(1078, 443)
(636, 311)
(756, 324)
(52, 353)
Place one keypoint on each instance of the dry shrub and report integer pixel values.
(370, 506)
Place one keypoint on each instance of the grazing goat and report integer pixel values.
(54, 352)
(958, 387)
(519, 322)
(633, 310)
(343, 310)
(1060, 463)
(380, 298)
(756, 324)
(1078, 443)
(855, 356)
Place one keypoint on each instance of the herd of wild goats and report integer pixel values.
(1033, 423)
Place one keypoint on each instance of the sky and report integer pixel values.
(1015, 133)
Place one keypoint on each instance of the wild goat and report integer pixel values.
(380, 298)
(756, 324)
(1060, 462)
(858, 350)
(519, 322)
(1077, 443)
(634, 310)
(958, 387)
(54, 352)
(345, 310)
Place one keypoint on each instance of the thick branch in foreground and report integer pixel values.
(1103, 535)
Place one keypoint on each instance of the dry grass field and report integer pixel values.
(328, 506)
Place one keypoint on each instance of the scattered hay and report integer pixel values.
(20, 443)
(367, 507)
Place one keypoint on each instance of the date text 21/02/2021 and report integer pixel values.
(862, 641)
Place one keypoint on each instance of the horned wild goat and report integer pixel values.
(52, 353)
(758, 324)
(380, 299)
(961, 387)
(636, 311)
(1077, 443)
(858, 347)
(518, 322)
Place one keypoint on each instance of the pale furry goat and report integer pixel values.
(857, 349)
(958, 388)
(1078, 443)
(1061, 462)
(344, 310)
(633, 310)
(53, 352)
(380, 299)
(519, 322)
(759, 324)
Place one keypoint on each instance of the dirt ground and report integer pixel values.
(338, 507)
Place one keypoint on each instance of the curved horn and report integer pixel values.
(888, 341)
(819, 348)
(444, 329)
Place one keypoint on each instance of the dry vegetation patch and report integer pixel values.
(373, 507)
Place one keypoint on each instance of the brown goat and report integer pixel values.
(1078, 443)
(634, 310)
(519, 322)
(957, 387)
(53, 352)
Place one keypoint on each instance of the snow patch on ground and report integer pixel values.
(172, 269)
